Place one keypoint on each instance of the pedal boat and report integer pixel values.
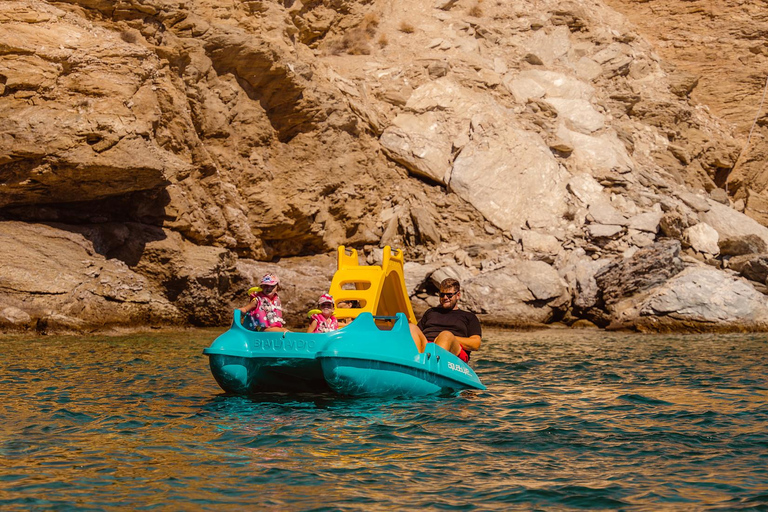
(361, 359)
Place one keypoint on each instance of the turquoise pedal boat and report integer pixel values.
(372, 356)
(361, 359)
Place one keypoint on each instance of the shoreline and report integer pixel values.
(649, 326)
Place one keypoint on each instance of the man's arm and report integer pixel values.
(472, 342)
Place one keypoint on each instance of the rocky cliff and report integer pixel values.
(157, 156)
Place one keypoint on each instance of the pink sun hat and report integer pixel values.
(269, 280)
(326, 298)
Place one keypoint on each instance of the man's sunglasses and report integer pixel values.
(449, 295)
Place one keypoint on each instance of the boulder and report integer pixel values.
(720, 195)
(541, 244)
(197, 279)
(586, 189)
(55, 280)
(541, 279)
(695, 201)
(425, 226)
(595, 154)
(730, 223)
(646, 269)
(587, 69)
(603, 213)
(704, 295)
(416, 145)
(548, 46)
(756, 206)
(531, 84)
(533, 294)
(752, 266)
(581, 279)
(740, 245)
(647, 221)
(597, 231)
(703, 238)
(417, 274)
(579, 114)
(528, 189)
(674, 223)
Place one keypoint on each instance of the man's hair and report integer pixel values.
(450, 283)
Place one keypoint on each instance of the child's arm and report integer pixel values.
(312, 326)
(253, 304)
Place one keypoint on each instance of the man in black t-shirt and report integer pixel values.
(456, 330)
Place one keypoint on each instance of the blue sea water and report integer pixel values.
(571, 420)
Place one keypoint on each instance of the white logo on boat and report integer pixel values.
(458, 368)
(283, 344)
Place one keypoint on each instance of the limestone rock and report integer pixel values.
(548, 46)
(604, 213)
(730, 223)
(586, 189)
(541, 279)
(53, 277)
(15, 317)
(580, 114)
(596, 154)
(581, 273)
(703, 294)
(425, 226)
(648, 268)
(740, 245)
(416, 275)
(533, 294)
(674, 223)
(695, 201)
(752, 266)
(535, 84)
(757, 206)
(720, 195)
(598, 231)
(423, 155)
(703, 238)
(540, 243)
(511, 192)
(648, 221)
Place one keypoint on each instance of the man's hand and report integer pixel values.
(470, 344)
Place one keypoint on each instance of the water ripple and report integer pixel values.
(571, 420)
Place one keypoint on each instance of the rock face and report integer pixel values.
(715, 53)
(703, 299)
(157, 157)
(645, 270)
(53, 279)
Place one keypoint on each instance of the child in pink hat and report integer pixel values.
(264, 311)
(324, 321)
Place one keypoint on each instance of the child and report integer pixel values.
(324, 321)
(264, 311)
(346, 304)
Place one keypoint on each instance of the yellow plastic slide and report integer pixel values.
(378, 290)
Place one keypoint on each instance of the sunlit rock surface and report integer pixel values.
(156, 157)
